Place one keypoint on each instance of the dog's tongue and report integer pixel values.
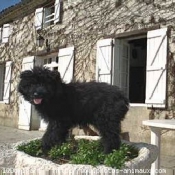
(37, 101)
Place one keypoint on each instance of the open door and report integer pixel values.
(25, 108)
(121, 65)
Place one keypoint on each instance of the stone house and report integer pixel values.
(130, 44)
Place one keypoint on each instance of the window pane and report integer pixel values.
(56, 59)
(49, 60)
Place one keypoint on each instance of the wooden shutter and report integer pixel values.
(121, 65)
(66, 63)
(104, 60)
(5, 33)
(57, 11)
(2, 68)
(156, 70)
(25, 108)
(0, 34)
(39, 18)
(7, 81)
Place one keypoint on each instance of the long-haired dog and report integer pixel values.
(64, 106)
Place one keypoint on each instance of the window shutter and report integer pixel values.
(57, 11)
(28, 63)
(104, 61)
(156, 68)
(0, 34)
(5, 33)
(7, 81)
(2, 68)
(66, 63)
(39, 18)
(121, 65)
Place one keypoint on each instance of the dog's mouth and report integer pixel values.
(37, 101)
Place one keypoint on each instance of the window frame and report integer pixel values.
(116, 59)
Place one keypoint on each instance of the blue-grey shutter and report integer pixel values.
(121, 65)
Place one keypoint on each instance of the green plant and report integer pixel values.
(88, 152)
(82, 152)
(63, 151)
(32, 148)
(117, 158)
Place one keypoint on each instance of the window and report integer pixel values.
(4, 33)
(0, 34)
(51, 62)
(47, 15)
(137, 66)
(5, 77)
(63, 61)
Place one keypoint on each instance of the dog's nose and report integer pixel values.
(39, 92)
(35, 94)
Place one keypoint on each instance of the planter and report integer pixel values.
(29, 165)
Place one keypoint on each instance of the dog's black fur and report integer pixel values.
(64, 106)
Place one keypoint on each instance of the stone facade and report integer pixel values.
(82, 24)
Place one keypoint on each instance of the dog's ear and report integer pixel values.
(58, 81)
(57, 76)
(25, 74)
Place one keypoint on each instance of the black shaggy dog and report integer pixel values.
(64, 106)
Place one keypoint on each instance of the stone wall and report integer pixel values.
(83, 24)
(21, 44)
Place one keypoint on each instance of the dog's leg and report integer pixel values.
(110, 136)
(111, 142)
(55, 134)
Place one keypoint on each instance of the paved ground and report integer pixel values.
(12, 135)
